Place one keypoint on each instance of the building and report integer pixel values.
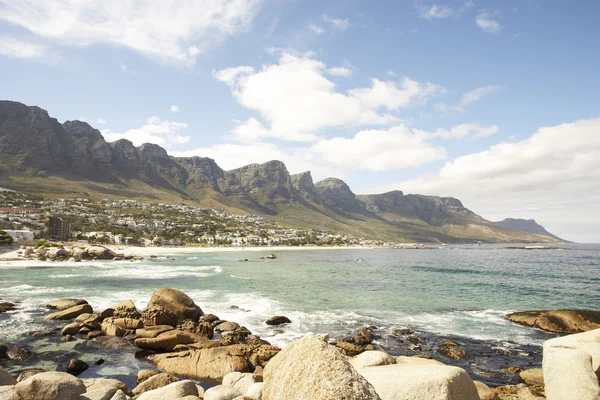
(20, 235)
(58, 228)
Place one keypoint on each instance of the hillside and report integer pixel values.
(527, 225)
(72, 159)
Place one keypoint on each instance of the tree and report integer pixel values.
(5, 238)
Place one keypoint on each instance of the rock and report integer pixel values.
(213, 363)
(124, 309)
(19, 353)
(227, 326)
(104, 393)
(128, 323)
(29, 372)
(263, 354)
(70, 329)
(50, 386)
(6, 306)
(154, 382)
(485, 393)
(348, 348)
(111, 329)
(77, 367)
(7, 392)
(533, 377)
(526, 394)
(512, 370)
(113, 343)
(79, 253)
(176, 303)
(278, 320)
(153, 331)
(310, 365)
(416, 360)
(570, 364)
(210, 318)
(559, 321)
(83, 317)
(271, 256)
(372, 358)
(3, 350)
(95, 334)
(221, 392)
(98, 383)
(70, 313)
(144, 374)
(109, 312)
(6, 378)
(101, 253)
(256, 390)
(239, 381)
(153, 316)
(420, 382)
(452, 349)
(167, 340)
(175, 390)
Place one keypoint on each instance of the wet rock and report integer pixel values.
(77, 367)
(175, 303)
(559, 321)
(19, 353)
(210, 318)
(99, 361)
(67, 338)
(278, 320)
(3, 350)
(65, 304)
(6, 306)
(310, 365)
(29, 372)
(154, 382)
(113, 343)
(70, 329)
(95, 334)
(70, 312)
(348, 348)
(227, 326)
(512, 370)
(6, 378)
(402, 332)
(144, 374)
(44, 332)
(50, 386)
(452, 349)
(175, 390)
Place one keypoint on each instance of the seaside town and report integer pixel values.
(27, 219)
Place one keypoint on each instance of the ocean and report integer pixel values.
(453, 292)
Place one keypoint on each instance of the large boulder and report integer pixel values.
(93, 384)
(532, 377)
(420, 382)
(176, 303)
(64, 304)
(7, 392)
(101, 253)
(6, 378)
(70, 313)
(222, 392)
(168, 340)
(310, 365)
(560, 321)
(154, 382)
(239, 381)
(125, 309)
(152, 331)
(50, 386)
(213, 363)
(570, 364)
(175, 390)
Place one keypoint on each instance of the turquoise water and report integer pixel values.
(460, 291)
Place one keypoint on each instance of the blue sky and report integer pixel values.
(495, 102)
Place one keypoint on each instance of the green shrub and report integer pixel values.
(5, 238)
(42, 243)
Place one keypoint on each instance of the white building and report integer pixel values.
(20, 235)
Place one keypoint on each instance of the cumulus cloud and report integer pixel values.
(316, 29)
(14, 48)
(555, 168)
(434, 12)
(161, 132)
(339, 71)
(297, 100)
(174, 109)
(469, 130)
(486, 22)
(170, 31)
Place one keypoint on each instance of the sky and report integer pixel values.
(493, 102)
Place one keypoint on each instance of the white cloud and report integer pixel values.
(337, 23)
(469, 97)
(101, 121)
(390, 72)
(174, 109)
(487, 24)
(297, 100)
(161, 132)
(557, 167)
(170, 31)
(339, 71)
(434, 11)
(469, 130)
(316, 29)
(14, 48)
(123, 68)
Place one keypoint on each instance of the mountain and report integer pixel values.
(527, 225)
(40, 155)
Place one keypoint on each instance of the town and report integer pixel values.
(28, 218)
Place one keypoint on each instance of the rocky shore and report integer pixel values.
(200, 356)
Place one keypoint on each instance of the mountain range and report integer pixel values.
(40, 155)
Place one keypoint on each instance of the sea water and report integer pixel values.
(457, 292)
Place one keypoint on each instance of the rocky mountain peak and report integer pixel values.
(82, 129)
(303, 183)
(152, 151)
(337, 194)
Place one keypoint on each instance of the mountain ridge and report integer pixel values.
(40, 154)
